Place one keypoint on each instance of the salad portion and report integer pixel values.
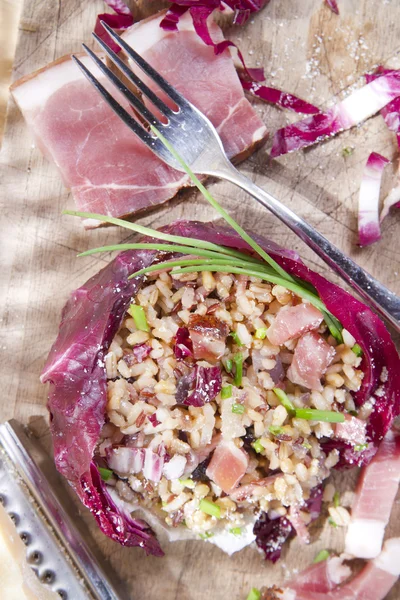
(221, 391)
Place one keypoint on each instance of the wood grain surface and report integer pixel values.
(306, 50)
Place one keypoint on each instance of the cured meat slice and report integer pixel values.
(372, 583)
(376, 492)
(108, 169)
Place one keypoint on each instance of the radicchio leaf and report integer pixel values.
(278, 98)
(369, 230)
(271, 534)
(356, 108)
(183, 347)
(201, 385)
(333, 6)
(391, 115)
(121, 20)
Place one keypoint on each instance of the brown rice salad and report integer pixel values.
(203, 377)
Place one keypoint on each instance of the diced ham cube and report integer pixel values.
(311, 358)
(227, 466)
(353, 430)
(292, 321)
(208, 335)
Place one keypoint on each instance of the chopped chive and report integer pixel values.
(347, 151)
(189, 483)
(306, 445)
(206, 535)
(353, 413)
(360, 447)
(275, 430)
(228, 365)
(321, 556)
(332, 522)
(226, 392)
(139, 316)
(260, 333)
(236, 338)
(238, 409)
(254, 594)
(252, 243)
(285, 401)
(358, 351)
(105, 474)
(236, 531)
(257, 446)
(238, 362)
(210, 508)
(312, 414)
(336, 499)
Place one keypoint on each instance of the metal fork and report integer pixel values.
(196, 140)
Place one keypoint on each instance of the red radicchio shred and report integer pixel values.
(367, 100)
(369, 230)
(271, 534)
(333, 6)
(121, 20)
(137, 354)
(183, 344)
(277, 97)
(153, 420)
(200, 11)
(201, 385)
(391, 115)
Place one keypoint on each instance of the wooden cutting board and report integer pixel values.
(306, 50)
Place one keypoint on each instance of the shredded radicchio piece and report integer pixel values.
(137, 354)
(121, 20)
(369, 230)
(183, 344)
(391, 115)
(356, 108)
(277, 97)
(271, 534)
(201, 385)
(333, 6)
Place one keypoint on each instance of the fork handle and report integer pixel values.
(385, 302)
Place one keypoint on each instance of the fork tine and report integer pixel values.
(144, 135)
(148, 69)
(132, 99)
(155, 100)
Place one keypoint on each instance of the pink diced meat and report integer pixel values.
(208, 335)
(291, 322)
(311, 358)
(227, 466)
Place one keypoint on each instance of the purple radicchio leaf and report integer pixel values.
(121, 20)
(183, 344)
(201, 385)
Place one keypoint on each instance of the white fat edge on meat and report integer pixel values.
(389, 558)
(337, 571)
(364, 538)
(226, 541)
(33, 94)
